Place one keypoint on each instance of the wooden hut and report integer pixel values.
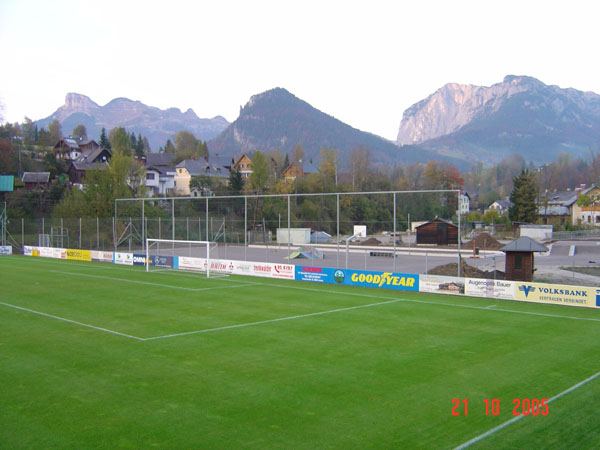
(519, 258)
(437, 231)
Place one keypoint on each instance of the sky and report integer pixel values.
(363, 62)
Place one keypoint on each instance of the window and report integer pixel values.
(150, 176)
(597, 219)
(589, 219)
(518, 262)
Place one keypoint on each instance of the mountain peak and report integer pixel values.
(79, 102)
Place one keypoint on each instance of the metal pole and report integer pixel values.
(426, 264)
(459, 257)
(97, 233)
(79, 232)
(338, 230)
(245, 227)
(159, 230)
(207, 219)
(187, 228)
(43, 226)
(62, 233)
(394, 233)
(289, 230)
(114, 234)
(144, 226)
(22, 232)
(173, 220)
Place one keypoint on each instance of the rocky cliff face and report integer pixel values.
(520, 114)
(156, 124)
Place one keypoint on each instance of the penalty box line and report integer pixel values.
(516, 419)
(75, 322)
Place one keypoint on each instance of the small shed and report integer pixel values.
(33, 180)
(437, 231)
(519, 258)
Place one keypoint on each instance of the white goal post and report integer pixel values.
(197, 254)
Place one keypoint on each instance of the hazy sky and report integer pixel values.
(363, 62)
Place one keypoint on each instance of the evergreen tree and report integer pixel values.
(286, 162)
(169, 147)
(236, 182)
(133, 140)
(104, 142)
(523, 198)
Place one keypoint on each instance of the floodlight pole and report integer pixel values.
(289, 230)
(338, 230)
(143, 225)
(245, 227)
(459, 258)
(394, 232)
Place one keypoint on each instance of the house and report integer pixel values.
(437, 231)
(560, 207)
(243, 165)
(92, 158)
(464, 203)
(71, 149)
(189, 168)
(36, 180)
(297, 169)
(588, 212)
(501, 206)
(160, 180)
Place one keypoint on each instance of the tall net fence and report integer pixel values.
(372, 231)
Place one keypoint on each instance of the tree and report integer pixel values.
(104, 142)
(119, 141)
(169, 147)
(55, 131)
(259, 178)
(327, 169)
(523, 198)
(236, 182)
(188, 147)
(298, 153)
(80, 132)
(286, 161)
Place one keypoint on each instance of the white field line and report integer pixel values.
(515, 419)
(148, 283)
(87, 325)
(425, 302)
(279, 319)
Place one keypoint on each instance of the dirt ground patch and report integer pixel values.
(370, 241)
(484, 241)
(467, 271)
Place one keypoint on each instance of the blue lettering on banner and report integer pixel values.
(139, 259)
(364, 278)
(598, 298)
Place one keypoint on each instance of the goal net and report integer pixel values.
(195, 256)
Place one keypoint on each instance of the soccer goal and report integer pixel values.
(195, 256)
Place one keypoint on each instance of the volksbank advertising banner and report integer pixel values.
(364, 278)
(557, 294)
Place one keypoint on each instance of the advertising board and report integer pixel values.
(557, 294)
(139, 259)
(5, 250)
(78, 255)
(166, 262)
(364, 278)
(102, 256)
(439, 284)
(27, 250)
(123, 258)
(479, 287)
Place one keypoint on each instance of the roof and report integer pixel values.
(553, 210)
(36, 177)
(162, 170)
(436, 219)
(79, 165)
(503, 203)
(565, 198)
(160, 159)
(67, 142)
(524, 244)
(199, 167)
(91, 155)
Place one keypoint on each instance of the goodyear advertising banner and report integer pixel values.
(78, 255)
(364, 278)
(557, 294)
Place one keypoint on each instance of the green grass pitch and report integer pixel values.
(104, 356)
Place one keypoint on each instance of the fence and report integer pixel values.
(246, 227)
